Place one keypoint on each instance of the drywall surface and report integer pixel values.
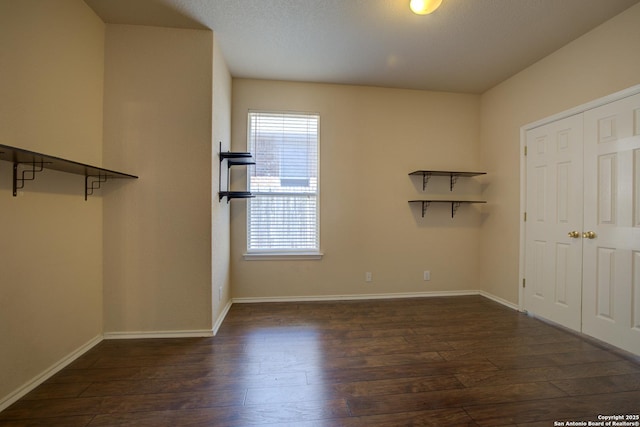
(370, 139)
(157, 124)
(51, 62)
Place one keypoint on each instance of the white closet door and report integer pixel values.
(553, 259)
(611, 263)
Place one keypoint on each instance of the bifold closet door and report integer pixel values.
(553, 251)
(611, 245)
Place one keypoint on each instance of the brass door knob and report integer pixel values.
(574, 234)
(589, 235)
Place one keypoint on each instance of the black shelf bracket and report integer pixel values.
(425, 180)
(26, 175)
(453, 179)
(93, 182)
(425, 206)
(454, 208)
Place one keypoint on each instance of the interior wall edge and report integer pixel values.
(222, 316)
(27, 387)
(499, 300)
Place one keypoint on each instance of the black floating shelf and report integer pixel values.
(453, 176)
(455, 204)
(241, 162)
(234, 155)
(33, 162)
(235, 195)
(233, 158)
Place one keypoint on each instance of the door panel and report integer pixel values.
(612, 206)
(635, 321)
(553, 259)
(605, 283)
(636, 185)
(538, 269)
(563, 255)
(607, 189)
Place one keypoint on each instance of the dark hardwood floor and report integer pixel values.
(455, 361)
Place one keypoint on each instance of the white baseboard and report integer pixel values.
(48, 373)
(355, 297)
(198, 333)
(499, 300)
(377, 296)
(351, 297)
(221, 317)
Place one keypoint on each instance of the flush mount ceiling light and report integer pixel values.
(424, 7)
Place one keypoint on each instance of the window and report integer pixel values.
(282, 218)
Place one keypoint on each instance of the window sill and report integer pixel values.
(282, 256)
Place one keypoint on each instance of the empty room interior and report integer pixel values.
(319, 213)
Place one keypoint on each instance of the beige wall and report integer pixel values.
(370, 139)
(158, 125)
(51, 84)
(220, 245)
(601, 62)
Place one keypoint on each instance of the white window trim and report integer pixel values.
(286, 255)
(282, 256)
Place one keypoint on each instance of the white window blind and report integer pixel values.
(283, 216)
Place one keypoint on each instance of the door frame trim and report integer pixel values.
(616, 96)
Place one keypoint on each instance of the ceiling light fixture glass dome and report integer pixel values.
(424, 7)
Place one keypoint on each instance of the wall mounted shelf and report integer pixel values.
(455, 204)
(234, 154)
(27, 164)
(233, 158)
(453, 176)
(235, 195)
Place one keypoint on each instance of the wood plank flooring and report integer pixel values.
(455, 361)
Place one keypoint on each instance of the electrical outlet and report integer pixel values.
(427, 275)
(368, 277)
(220, 293)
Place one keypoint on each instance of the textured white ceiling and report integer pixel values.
(465, 46)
